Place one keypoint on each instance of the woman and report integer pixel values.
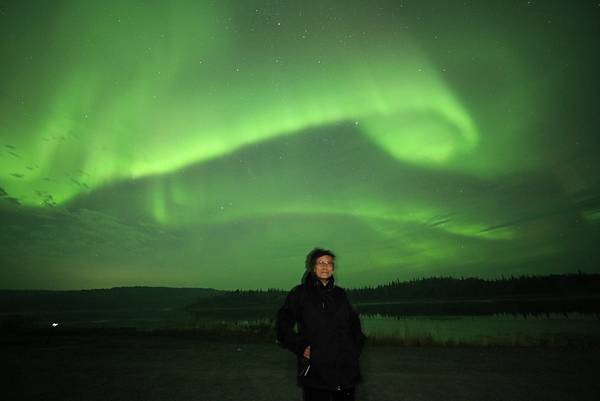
(329, 338)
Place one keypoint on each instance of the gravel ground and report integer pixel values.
(166, 368)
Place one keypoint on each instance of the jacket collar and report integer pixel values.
(312, 281)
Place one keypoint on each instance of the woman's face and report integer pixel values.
(324, 267)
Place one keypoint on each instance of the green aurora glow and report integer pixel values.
(213, 143)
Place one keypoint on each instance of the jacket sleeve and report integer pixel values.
(287, 317)
(356, 329)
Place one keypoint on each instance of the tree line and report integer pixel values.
(527, 294)
(555, 285)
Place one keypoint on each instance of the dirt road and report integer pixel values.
(164, 368)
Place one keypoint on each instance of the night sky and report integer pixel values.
(214, 143)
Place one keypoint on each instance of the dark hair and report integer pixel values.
(315, 254)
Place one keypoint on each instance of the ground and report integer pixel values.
(144, 367)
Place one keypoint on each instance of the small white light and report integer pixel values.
(54, 324)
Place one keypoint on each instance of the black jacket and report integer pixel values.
(328, 323)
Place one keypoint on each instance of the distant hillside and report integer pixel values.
(428, 296)
(15, 301)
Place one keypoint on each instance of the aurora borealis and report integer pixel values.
(213, 143)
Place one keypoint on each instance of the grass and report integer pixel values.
(497, 330)
(479, 331)
(554, 330)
